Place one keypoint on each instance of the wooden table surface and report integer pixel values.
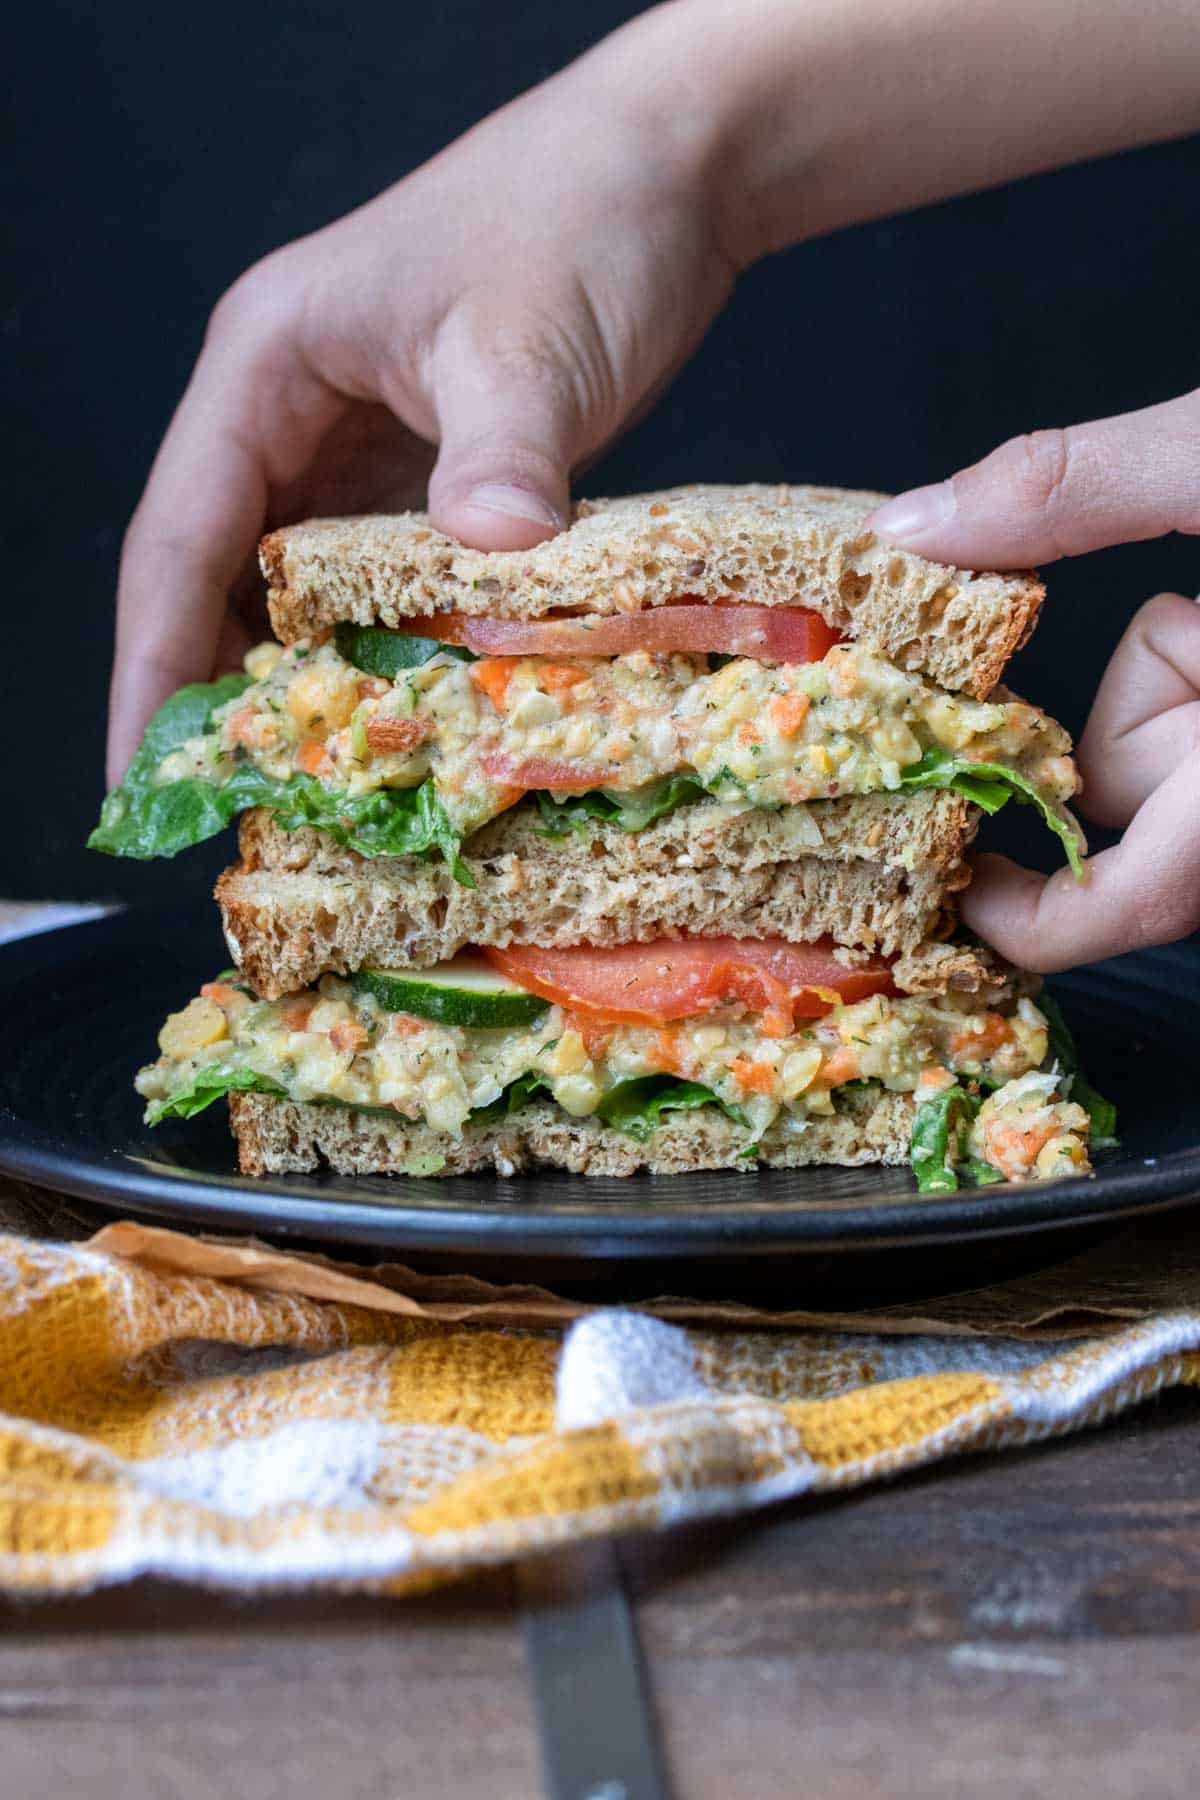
(1017, 1625)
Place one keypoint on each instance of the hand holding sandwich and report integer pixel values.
(1063, 493)
(528, 293)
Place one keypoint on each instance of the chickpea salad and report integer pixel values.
(399, 745)
(458, 1045)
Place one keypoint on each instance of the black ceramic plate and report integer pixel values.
(81, 1009)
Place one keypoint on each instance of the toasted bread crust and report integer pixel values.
(878, 873)
(278, 1137)
(775, 546)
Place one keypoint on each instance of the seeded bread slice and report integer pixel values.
(878, 872)
(775, 546)
(280, 1137)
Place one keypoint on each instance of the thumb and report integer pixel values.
(1059, 493)
(507, 422)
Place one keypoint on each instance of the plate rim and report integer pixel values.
(30, 1151)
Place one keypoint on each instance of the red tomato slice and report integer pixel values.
(785, 634)
(525, 773)
(652, 984)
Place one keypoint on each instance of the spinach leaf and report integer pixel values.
(938, 1126)
(517, 1094)
(635, 1106)
(631, 811)
(991, 786)
(1102, 1112)
(140, 819)
(377, 651)
(143, 818)
(210, 1083)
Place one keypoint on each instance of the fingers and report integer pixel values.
(1059, 493)
(252, 413)
(1145, 891)
(508, 422)
(1146, 716)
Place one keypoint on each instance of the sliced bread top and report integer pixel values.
(770, 545)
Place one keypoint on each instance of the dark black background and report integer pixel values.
(161, 149)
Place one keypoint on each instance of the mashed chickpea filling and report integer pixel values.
(336, 1044)
(490, 730)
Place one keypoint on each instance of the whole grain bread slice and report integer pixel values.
(279, 1137)
(877, 872)
(775, 546)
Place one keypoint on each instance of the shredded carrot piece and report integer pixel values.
(1013, 1149)
(348, 1034)
(492, 675)
(554, 677)
(776, 1022)
(843, 670)
(748, 733)
(936, 1078)
(666, 1053)
(313, 758)
(839, 1066)
(239, 728)
(754, 1077)
(788, 713)
(220, 991)
(978, 1045)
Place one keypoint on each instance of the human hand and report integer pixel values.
(1061, 493)
(528, 293)
(516, 302)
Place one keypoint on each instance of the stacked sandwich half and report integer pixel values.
(638, 850)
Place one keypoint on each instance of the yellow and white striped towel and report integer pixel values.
(175, 1424)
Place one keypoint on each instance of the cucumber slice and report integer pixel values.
(388, 653)
(465, 991)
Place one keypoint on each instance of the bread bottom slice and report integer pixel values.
(280, 1137)
(877, 872)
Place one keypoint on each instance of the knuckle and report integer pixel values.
(1044, 461)
(1162, 609)
(259, 303)
(1173, 914)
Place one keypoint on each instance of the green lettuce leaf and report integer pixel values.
(144, 819)
(1077, 1087)
(631, 811)
(209, 1084)
(991, 786)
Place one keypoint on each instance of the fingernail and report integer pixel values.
(515, 503)
(914, 514)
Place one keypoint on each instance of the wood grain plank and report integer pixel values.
(1014, 1724)
(159, 1690)
(1094, 1537)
